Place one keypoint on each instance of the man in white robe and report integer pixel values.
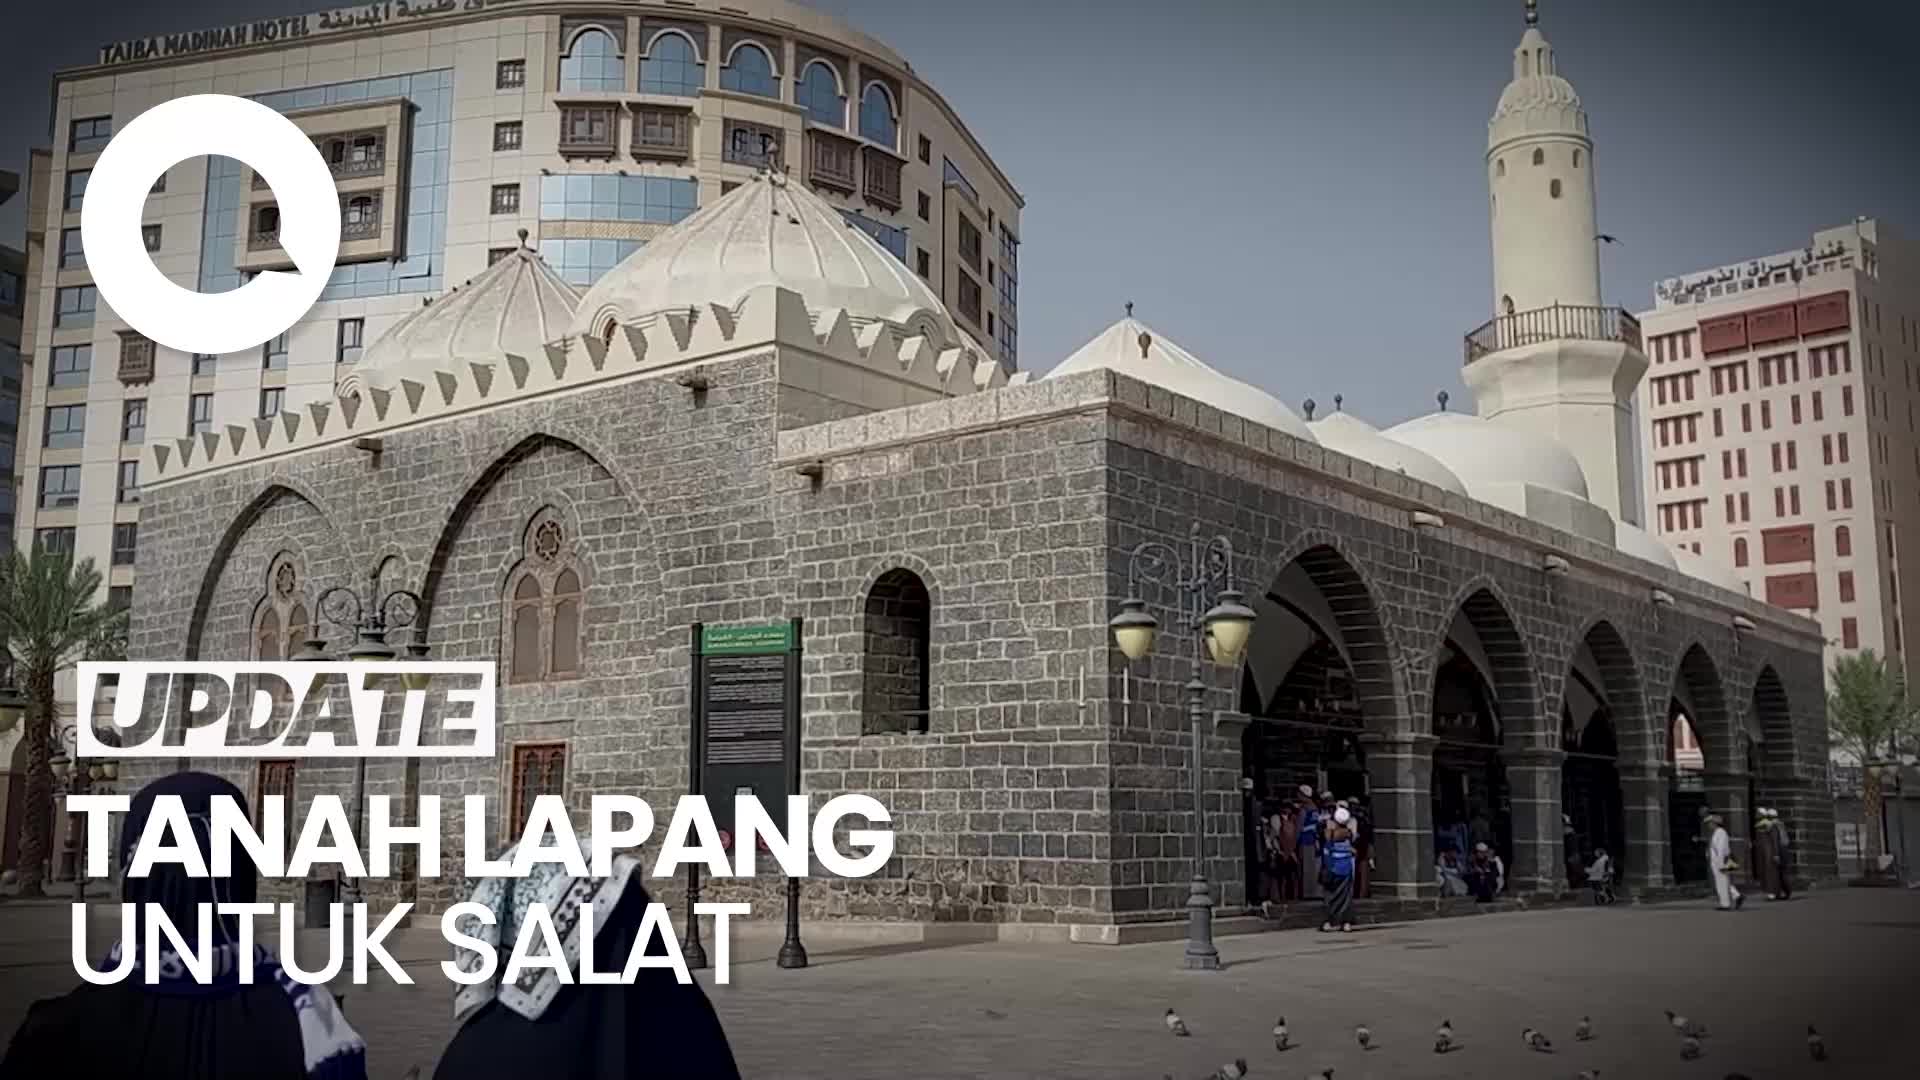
(1720, 858)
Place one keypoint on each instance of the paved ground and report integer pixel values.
(1845, 960)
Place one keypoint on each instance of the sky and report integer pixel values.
(1295, 191)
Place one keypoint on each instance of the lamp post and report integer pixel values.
(79, 777)
(1222, 631)
(1890, 782)
(370, 622)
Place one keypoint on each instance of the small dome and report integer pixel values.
(1637, 542)
(770, 231)
(517, 306)
(1130, 348)
(1482, 452)
(1356, 438)
(1710, 571)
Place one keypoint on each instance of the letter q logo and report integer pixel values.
(213, 125)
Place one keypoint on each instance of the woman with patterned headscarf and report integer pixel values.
(536, 1026)
(179, 1028)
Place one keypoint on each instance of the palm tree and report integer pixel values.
(48, 620)
(1870, 717)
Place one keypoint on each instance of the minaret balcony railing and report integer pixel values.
(1560, 322)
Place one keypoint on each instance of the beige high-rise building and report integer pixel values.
(1779, 420)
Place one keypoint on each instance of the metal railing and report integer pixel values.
(1560, 322)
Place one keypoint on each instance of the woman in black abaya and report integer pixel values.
(179, 1028)
(535, 1026)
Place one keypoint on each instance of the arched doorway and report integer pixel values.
(1317, 679)
(1696, 716)
(1471, 803)
(1600, 704)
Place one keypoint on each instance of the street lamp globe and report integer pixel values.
(1228, 625)
(370, 649)
(312, 651)
(1133, 629)
(416, 679)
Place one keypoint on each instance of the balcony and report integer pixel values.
(830, 162)
(587, 131)
(662, 134)
(136, 358)
(360, 216)
(1560, 322)
(881, 178)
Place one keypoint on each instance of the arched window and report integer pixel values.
(1506, 305)
(672, 66)
(1842, 541)
(1539, 156)
(544, 632)
(593, 63)
(749, 71)
(1553, 188)
(1500, 167)
(359, 210)
(877, 120)
(280, 617)
(1740, 551)
(1576, 159)
(897, 658)
(819, 94)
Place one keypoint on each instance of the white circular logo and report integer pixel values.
(196, 126)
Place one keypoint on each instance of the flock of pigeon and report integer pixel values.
(1690, 1034)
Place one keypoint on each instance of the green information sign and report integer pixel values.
(764, 640)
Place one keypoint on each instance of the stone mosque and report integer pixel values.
(762, 414)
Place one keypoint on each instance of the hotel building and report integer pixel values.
(1779, 421)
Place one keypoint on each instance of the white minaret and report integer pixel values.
(1553, 360)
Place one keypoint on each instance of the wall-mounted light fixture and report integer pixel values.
(1556, 566)
(369, 443)
(695, 381)
(1424, 520)
(1743, 624)
(1662, 598)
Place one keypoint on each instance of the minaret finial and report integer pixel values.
(1129, 309)
(1307, 407)
(1338, 401)
(523, 237)
(1533, 12)
(1441, 397)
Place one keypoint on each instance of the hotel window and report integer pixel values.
(830, 161)
(73, 255)
(672, 66)
(1842, 540)
(1832, 502)
(271, 401)
(880, 178)
(89, 135)
(537, 770)
(505, 199)
(1826, 449)
(66, 427)
(347, 339)
(969, 296)
(752, 144)
(1740, 461)
(593, 63)
(133, 421)
(1719, 428)
(510, 75)
(77, 187)
(126, 541)
(1819, 413)
(360, 217)
(923, 264)
(925, 207)
(506, 136)
(273, 355)
(1740, 551)
(1766, 416)
(879, 121)
(1746, 508)
(1776, 457)
(1779, 502)
(1846, 586)
(1846, 401)
(1846, 493)
(587, 131)
(664, 133)
(74, 306)
(818, 92)
(969, 237)
(56, 541)
(159, 185)
(136, 358)
(150, 237)
(1794, 406)
(1730, 513)
(59, 487)
(926, 150)
(1843, 446)
(204, 364)
(1793, 499)
(1746, 416)
(750, 71)
(1793, 456)
(70, 365)
(1849, 633)
(1726, 465)
(199, 413)
(127, 487)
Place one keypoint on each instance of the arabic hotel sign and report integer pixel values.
(280, 31)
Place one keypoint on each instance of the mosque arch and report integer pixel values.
(1603, 719)
(280, 491)
(896, 666)
(1699, 744)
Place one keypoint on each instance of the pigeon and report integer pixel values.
(1364, 1036)
(1689, 1048)
(1281, 1040)
(1584, 1032)
(1535, 1041)
(1816, 1045)
(1233, 1070)
(1443, 1037)
(1685, 1026)
(1175, 1024)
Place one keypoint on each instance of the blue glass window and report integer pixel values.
(877, 122)
(671, 66)
(955, 176)
(583, 262)
(891, 238)
(593, 63)
(660, 199)
(750, 71)
(819, 94)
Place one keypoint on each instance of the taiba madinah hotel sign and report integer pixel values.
(288, 29)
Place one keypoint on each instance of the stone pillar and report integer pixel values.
(1644, 796)
(1399, 780)
(1727, 796)
(1533, 784)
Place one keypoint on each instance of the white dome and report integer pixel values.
(1538, 101)
(1356, 438)
(1130, 348)
(516, 306)
(1482, 452)
(769, 231)
(1637, 542)
(1710, 571)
